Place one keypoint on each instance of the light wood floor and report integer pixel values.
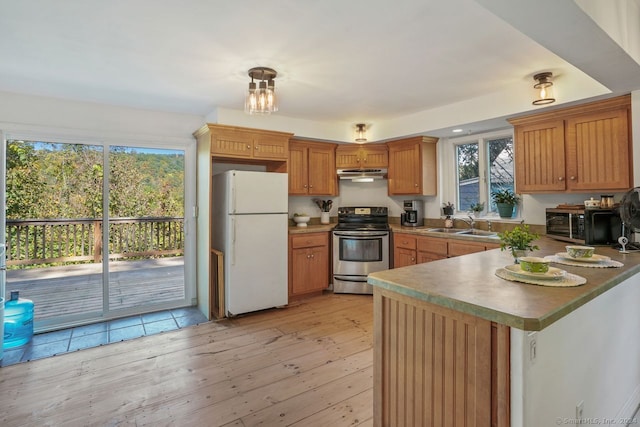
(309, 364)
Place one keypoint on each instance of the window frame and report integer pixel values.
(482, 140)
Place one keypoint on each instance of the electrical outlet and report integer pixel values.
(579, 413)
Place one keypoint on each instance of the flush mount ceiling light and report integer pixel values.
(544, 88)
(361, 132)
(261, 100)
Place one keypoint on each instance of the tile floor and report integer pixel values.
(67, 340)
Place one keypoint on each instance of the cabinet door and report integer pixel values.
(428, 257)
(270, 147)
(322, 171)
(598, 151)
(298, 167)
(232, 144)
(302, 272)
(436, 248)
(540, 157)
(403, 257)
(375, 156)
(348, 156)
(319, 268)
(405, 169)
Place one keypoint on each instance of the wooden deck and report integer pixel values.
(76, 289)
(309, 364)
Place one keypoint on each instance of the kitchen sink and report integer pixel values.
(447, 230)
(478, 233)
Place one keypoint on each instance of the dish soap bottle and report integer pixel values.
(18, 321)
(448, 222)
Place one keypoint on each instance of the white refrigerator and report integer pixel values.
(250, 223)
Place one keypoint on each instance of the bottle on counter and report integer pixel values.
(448, 222)
(18, 321)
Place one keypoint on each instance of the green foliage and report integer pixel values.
(505, 196)
(520, 238)
(477, 207)
(48, 180)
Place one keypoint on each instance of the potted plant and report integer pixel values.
(505, 201)
(518, 241)
(447, 208)
(477, 208)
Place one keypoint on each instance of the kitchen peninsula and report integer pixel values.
(454, 343)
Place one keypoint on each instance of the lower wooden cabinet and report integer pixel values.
(404, 250)
(309, 271)
(410, 249)
(435, 366)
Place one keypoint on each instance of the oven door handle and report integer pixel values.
(362, 279)
(359, 235)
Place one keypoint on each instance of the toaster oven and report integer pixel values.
(595, 227)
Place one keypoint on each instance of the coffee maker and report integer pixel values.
(413, 213)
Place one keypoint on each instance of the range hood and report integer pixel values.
(362, 175)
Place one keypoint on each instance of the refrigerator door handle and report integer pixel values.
(233, 239)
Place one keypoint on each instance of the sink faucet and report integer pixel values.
(471, 222)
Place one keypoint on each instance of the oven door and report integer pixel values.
(358, 253)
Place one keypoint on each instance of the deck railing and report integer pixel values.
(49, 241)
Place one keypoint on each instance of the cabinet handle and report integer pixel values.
(257, 147)
(573, 178)
(413, 259)
(561, 178)
(305, 186)
(415, 185)
(313, 255)
(308, 256)
(248, 147)
(310, 185)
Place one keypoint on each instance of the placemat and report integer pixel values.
(568, 280)
(602, 264)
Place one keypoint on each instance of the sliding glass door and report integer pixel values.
(84, 244)
(146, 238)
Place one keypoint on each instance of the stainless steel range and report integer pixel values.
(360, 247)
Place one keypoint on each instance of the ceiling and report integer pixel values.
(337, 60)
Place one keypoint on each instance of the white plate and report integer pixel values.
(553, 273)
(593, 258)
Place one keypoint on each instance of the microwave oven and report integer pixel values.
(594, 227)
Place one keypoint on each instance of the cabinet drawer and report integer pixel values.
(406, 241)
(433, 245)
(309, 240)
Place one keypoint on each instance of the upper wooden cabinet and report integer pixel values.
(232, 142)
(362, 156)
(582, 149)
(312, 168)
(413, 166)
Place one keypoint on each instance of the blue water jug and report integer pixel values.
(18, 321)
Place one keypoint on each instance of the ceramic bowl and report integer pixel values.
(580, 251)
(534, 264)
(301, 221)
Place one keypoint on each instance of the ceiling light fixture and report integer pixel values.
(544, 88)
(361, 132)
(261, 100)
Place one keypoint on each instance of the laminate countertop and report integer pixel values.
(468, 284)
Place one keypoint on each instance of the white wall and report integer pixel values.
(591, 355)
(353, 194)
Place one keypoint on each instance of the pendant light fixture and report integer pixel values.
(361, 132)
(261, 99)
(544, 89)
